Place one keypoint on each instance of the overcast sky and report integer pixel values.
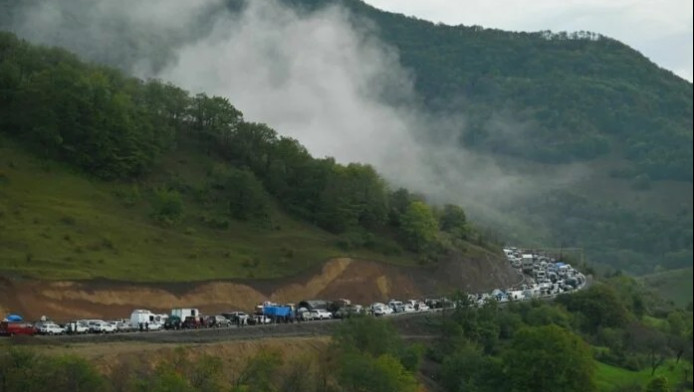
(660, 29)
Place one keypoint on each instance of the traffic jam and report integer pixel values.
(543, 276)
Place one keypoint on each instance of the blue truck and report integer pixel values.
(279, 313)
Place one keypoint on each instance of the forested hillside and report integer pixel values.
(183, 162)
(552, 98)
(532, 103)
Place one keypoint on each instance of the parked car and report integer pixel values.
(379, 309)
(259, 319)
(173, 322)
(344, 312)
(50, 328)
(10, 328)
(218, 321)
(397, 306)
(191, 322)
(321, 314)
(238, 318)
(100, 326)
(125, 326)
(76, 327)
(304, 314)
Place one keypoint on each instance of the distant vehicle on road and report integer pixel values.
(50, 328)
(9, 328)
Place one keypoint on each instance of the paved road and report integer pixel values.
(207, 335)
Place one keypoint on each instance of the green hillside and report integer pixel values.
(57, 223)
(674, 285)
(569, 97)
(103, 175)
(535, 103)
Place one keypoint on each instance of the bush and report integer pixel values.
(167, 206)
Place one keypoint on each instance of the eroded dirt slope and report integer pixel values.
(361, 281)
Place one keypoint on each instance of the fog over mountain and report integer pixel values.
(319, 77)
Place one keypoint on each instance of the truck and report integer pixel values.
(182, 313)
(279, 313)
(527, 263)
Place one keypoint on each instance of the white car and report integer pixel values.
(305, 315)
(100, 326)
(321, 314)
(379, 309)
(422, 307)
(51, 329)
(77, 327)
(125, 326)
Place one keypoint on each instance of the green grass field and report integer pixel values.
(675, 285)
(609, 377)
(56, 223)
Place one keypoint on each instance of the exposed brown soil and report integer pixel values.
(361, 281)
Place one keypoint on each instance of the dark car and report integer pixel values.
(173, 322)
(193, 322)
(218, 321)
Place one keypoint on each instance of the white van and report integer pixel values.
(145, 319)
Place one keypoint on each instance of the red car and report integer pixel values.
(8, 328)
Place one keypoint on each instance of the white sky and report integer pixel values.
(660, 29)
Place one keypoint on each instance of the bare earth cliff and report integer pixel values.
(361, 281)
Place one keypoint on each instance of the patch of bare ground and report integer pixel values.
(361, 281)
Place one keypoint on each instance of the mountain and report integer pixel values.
(589, 141)
(567, 99)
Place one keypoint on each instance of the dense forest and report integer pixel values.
(612, 337)
(115, 127)
(584, 94)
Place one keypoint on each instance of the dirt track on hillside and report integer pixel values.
(361, 281)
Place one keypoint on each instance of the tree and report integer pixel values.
(453, 221)
(600, 306)
(658, 384)
(257, 375)
(419, 226)
(549, 358)
(469, 370)
(246, 195)
(360, 372)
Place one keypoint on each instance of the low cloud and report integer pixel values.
(320, 77)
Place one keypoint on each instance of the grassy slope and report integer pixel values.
(609, 377)
(58, 224)
(675, 285)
